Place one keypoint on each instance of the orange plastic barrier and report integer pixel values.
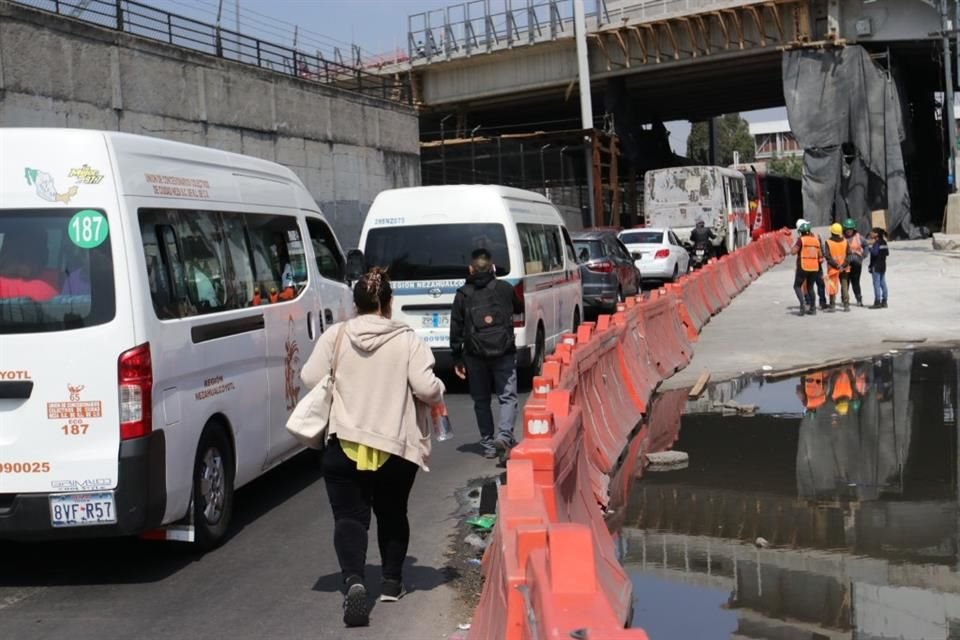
(551, 568)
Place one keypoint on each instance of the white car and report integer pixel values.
(658, 253)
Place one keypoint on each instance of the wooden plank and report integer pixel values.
(701, 384)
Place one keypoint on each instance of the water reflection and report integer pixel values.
(849, 474)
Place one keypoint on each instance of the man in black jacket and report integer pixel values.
(484, 350)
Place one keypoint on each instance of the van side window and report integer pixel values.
(568, 247)
(240, 280)
(279, 261)
(533, 243)
(201, 262)
(329, 260)
(554, 248)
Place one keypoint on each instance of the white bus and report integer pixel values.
(677, 197)
(425, 236)
(157, 300)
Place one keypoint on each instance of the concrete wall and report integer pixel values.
(62, 73)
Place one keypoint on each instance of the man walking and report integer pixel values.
(484, 350)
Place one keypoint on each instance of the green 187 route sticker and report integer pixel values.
(88, 229)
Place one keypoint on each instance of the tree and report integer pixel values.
(733, 134)
(789, 166)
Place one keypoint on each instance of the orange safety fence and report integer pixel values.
(551, 569)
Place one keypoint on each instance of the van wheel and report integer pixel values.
(212, 487)
(536, 366)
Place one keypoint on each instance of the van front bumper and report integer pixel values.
(140, 497)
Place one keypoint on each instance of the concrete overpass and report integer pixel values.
(676, 52)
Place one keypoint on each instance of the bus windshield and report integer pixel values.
(436, 251)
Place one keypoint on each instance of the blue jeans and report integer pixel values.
(879, 287)
(487, 376)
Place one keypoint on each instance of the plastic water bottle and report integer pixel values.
(441, 422)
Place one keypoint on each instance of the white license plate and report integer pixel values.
(82, 509)
(435, 321)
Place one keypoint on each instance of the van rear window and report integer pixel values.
(56, 270)
(435, 251)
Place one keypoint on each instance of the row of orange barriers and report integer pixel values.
(551, 570)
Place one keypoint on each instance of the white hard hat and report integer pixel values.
(802, 222)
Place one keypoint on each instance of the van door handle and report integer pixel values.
(328, 316)
(16, 390)
(310, 331)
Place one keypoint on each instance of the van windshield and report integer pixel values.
(56, 270)
(435, 251)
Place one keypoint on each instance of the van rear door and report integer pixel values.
(62, 325)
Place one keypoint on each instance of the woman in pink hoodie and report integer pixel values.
(379, 435)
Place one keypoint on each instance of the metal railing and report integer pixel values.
(480, 26)
(632, 11)
(148, 22)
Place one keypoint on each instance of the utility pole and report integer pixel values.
(236, 10)
(586, 99)
(948, 116)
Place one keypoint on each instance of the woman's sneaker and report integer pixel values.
(392, 590)
(356, 606)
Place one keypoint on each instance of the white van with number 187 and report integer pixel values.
(157, 300)
(424, 237)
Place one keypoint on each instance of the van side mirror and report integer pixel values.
(356, 265)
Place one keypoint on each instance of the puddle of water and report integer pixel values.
(832, 513)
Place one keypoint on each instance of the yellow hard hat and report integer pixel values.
(843, 407)
(836, 229)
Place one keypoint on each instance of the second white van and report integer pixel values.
(425, 235)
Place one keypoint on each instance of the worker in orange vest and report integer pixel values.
(838, 267)
(842, 393)
(855, 240)
(808, 266)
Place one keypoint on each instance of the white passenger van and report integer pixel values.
(425, 235)
(677, 197)
(157, 301)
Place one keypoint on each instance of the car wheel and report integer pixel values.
(620, 297)
(212, 487)
(576, 319)
(676, 272)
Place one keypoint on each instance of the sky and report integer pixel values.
(377, 26)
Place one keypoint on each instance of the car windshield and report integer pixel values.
(642, 237)
(56, 270)
(588, 250)
(435, 251)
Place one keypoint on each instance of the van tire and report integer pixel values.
(213, 472)
(539, 353)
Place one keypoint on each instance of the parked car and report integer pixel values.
(608, 270)
(659, 254)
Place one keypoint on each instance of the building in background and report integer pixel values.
(774, 140)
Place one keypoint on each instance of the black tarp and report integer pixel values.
(845, 112)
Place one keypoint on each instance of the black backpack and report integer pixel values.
(488, 326)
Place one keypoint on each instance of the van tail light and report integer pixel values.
(663, 253)
(604, 266)
(519, 319)
(135, 379)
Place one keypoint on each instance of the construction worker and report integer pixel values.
(838, 267)
(813, 390)
(855, 240)
(809, 256)
(821, 287)
(842, 392)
